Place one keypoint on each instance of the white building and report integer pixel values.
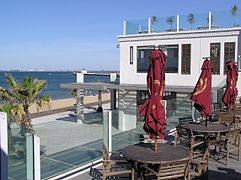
(186, 49)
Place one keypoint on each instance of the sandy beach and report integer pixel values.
(69, 102)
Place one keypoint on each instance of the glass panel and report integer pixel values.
(17, 164)
(215, 57)
(186, 58)
(190, 21)
(163, 24)
(125, 129)
(139, 26)
(225, 19)
(106, 131)
(193, 21)
(30, 156)
(143, 53)
(67, 144)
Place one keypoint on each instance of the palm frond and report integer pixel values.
(11, 81)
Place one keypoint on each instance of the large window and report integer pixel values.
(143, 53)
(229, 53)
(186, 58)
(215, 57)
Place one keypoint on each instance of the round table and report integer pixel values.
(237, 113)
(210, 128)
(144, 153)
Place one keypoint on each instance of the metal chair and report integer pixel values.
(115, 166)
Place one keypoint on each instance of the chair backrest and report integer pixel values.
(174, 169)
(198, 166)
(184, 136)
(233, 136)
(227, 119)
(185, 120)
(217, 106)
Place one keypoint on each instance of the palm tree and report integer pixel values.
(43, 101)
(23, 94)
(170, 20)
(234, 11)
(14, 113)
(191, 19)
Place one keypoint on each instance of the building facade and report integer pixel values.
(186, 51)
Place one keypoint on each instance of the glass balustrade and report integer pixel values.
(66, 144)
(187, 22)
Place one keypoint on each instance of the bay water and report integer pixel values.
(54, 79)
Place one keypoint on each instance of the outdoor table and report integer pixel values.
(237, 113)
(145, 153)
(211, 128)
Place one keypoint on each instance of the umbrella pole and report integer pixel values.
(155, 145)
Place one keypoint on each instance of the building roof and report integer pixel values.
(109, 86)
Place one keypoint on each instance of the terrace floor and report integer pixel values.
(216, 170)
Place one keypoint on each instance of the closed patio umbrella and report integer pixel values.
(153, 109)
(203, 90)
(231, 91)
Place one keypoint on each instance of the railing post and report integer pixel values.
(3, 146)
(107, 130)
(33, 156)
(124, 27)
(149, 25)
(37, 161)
(178, 23)
(209, 20)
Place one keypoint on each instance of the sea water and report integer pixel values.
(54, 79)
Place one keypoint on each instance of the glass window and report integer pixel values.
(186, 58)
(131, 54)
(215, 57)
(229, 53)
(143, 53)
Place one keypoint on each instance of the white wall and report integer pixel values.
(200, 47)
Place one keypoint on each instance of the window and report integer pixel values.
(143, 53)
(215, 57)
(186, 58)
(229, 53)
(131, 54)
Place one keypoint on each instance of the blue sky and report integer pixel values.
(77, 34)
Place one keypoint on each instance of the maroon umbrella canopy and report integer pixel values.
(231, 90)
(153, 109)
(203, 90)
